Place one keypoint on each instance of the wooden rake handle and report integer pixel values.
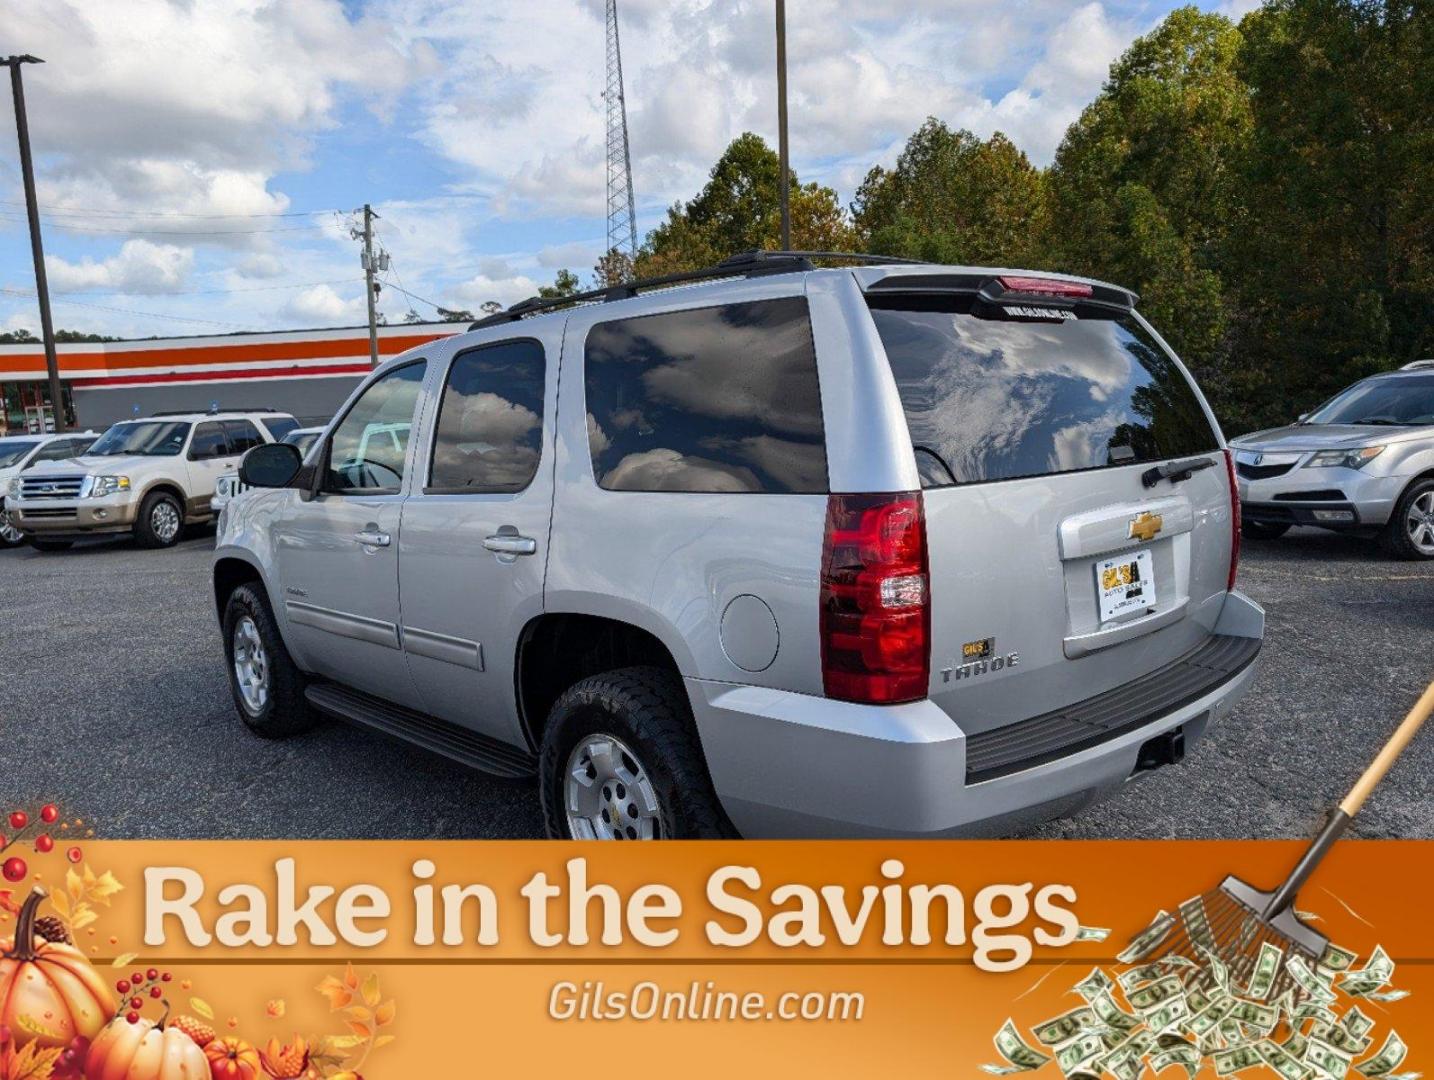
(1338, 821)
(1354, 801)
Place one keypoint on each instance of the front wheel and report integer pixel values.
(10, 534)
(160, 521)
(267, 685)
(1410, 532)
(621, 761)
(1258, 530)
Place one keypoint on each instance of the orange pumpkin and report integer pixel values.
(144, 1051)
(232, 1059)
(49, 994)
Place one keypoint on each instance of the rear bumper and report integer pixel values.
(1321, 497)
(788, 764)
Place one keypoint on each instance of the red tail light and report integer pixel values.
(1234, 519)
(1039, 286)
(876, 599)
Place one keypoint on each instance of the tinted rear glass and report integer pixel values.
(993, 399)
(713, 399)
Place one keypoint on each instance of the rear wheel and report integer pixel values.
(51, 545)
(620, 761)
(268, 687)
(1258, 530)
(10, 534)
(1410, 532)
(160, 521)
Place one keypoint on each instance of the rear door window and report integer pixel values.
(993, 399)
(279, 426)
(243, 436)
(712, 399)
(209, 442)
(490, 424)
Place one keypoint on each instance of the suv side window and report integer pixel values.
(368, 452)
(713, 399)
(490, 423)
(243, 436)
(209, 442)
(279, 426)
(60, 449)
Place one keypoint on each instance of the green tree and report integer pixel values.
(1338, 249)
(739, 210)
(565, 284)
(1146, 188)
(953, 198)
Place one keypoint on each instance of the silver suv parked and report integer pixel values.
(892, 549)
(1362, 462)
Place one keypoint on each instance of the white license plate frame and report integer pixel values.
(1134, 590)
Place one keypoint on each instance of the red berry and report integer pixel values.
(44, 843)
(152, 974)
(136, 1003)
(19, 819)
(49, 813)
(132, 1017)
(155, 991)
(14, 869)
(137, 978)
(122, 986)
(74, 854)
(166, 977)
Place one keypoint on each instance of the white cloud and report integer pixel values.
(481, 288)
(321, 304)
(140, 267)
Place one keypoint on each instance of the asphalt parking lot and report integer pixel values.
(113, 699)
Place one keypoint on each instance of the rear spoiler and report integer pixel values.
(1030, 290)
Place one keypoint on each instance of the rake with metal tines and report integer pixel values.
(1234, 921)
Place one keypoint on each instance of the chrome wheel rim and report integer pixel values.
(608, 793)
(164, 521)
(1420, 523)
(251, 666)
(8, 532)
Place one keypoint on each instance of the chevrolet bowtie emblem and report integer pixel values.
(1146, 526)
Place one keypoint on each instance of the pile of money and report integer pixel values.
(1196, 1011)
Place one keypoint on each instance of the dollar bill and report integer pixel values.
(1391, 1055)
(1313, 1010)
(1094, 984)
(1355, 1022)
(1217, 969)
(1296, 1044)
(1020, 1056)
(1262, 1017)
(1071, 1057)
(1149, 939)
(1267, 966)
(1387, 995)
(1329, 1060)
(1336, 959)
(1063, 1028)
(1151, 996)
(1144, 973)
(1112, 1015)
(1375, 974)
(1197, 923)
(1208, 1019)
(1168, 1015)
(1340, 1037)
(1281, 1060)
(1236, 1059)
(1092, 933)
(1186, 1056)
(1308, 981)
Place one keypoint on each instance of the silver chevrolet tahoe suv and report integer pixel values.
(777, 550)
(1363, 462)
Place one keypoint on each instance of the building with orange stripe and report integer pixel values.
(304, 372)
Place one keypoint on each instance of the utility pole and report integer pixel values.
(368, 271)
(782, 124)
(37, 247)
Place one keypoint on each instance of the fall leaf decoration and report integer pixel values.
(84, 890)
(365, 1014)
(30, 1062)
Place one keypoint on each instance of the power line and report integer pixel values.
(68, 227)
(84, 211)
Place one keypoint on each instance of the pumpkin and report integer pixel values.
(49, 994)
(144, 1050)
(232, 1059)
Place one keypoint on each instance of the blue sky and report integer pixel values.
(197, 158)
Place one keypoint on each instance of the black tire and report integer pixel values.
(144, 525)
(1259, 530)
(286, 711)
(50, 545)
(1395, 538)
(17, 538)
(646, 708)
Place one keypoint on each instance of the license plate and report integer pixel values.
(1125, 585)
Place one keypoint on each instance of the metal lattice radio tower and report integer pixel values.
(621, 207)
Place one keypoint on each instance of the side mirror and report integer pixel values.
(272, 465)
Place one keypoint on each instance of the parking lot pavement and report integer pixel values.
(113, 698)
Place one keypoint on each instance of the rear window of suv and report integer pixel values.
(717, 399)
(998, 399)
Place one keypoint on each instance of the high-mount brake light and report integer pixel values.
(1234, 520)
(876, 599)
(1039, 286)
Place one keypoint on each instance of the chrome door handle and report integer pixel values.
(509, 544)
(369, 538)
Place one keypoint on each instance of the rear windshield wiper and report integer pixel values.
(1174, 471)
(939, 460)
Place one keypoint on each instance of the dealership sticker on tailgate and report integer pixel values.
(1125, 584)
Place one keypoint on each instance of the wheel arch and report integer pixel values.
(229, 573)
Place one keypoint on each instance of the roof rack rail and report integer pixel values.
(745, 264)
(215, 411)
